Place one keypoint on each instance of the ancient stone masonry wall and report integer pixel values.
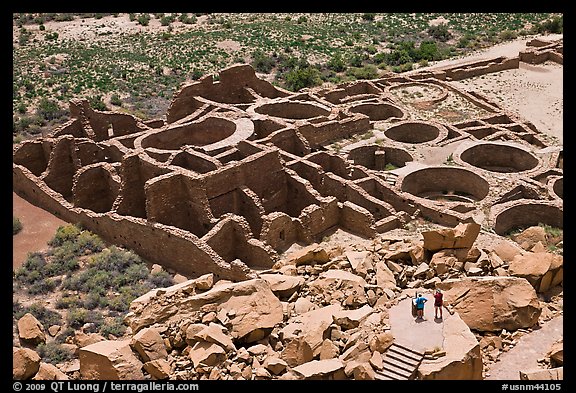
(240, 170)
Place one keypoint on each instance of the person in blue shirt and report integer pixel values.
(420, 300)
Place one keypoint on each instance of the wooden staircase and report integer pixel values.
(400, 363)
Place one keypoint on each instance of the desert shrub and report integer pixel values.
(46, 316)
(336, 63)
(507, 35)
(440, 32)
(53, 352)
(63, 234)
(554, 25)
(115, 100)
(64, 334)
(261, 62)
(97, 103)
(43, 286)
(77, 317)
(32, 269)
(300, 78)
(143, 19)
(161, 279)
(70, 241)
(369, 71)
(115, 327)
(68, 301)
(16, 225)
(49, 109)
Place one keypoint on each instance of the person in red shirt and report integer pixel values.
(438, 302)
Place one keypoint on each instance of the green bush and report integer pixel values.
(63, 234)
(116, 327)
(16, 225)
(43, 286)
(144, 19)
(261, 62)
(161, 279)
(46, 316)
(53, 352)
(440, 32)
(32, 269)
(68, 301)
(77, 317)
(300, 78)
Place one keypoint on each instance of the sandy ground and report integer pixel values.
(533, 92)
(38, 227)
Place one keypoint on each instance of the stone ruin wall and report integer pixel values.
(239, 170)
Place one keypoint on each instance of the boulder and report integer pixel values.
(492, 303)
(552, 374)
(206, 353)
(149, 344)
(530, 236)
(463, 359)
(310, 255)
(536, 267)
(297, 352)
(30, 330)
(462, 235)
(251, 306)
(216, 334)
(321, 369)
(112, 360)
(282, 285)
(49, 372)
(158, 369)
(25, 363)
(311, 326)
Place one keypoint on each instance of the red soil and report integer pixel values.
(38, 227)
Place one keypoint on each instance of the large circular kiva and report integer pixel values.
(498, 157)
(292, 110)
(211, 131)
(528, 214)
(446, 184)
(558, 187)
(413, 132)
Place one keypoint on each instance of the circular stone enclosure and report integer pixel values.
(528, 214)
(378, 111)
(292, 110)
(557, 186)
(419, 92)
(206, 132)
(445, 184)
(379, 157)
(415, 132)
(496, 157)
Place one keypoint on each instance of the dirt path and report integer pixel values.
(524, 356)
(38, 227)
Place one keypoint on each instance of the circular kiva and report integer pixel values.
(498, 157)
(210, 133)
(446, 184)
(525, 214)
(419, 92)
(379, 157)
(293, 110)
(556, 187)
(416, 132)
(378, 111)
